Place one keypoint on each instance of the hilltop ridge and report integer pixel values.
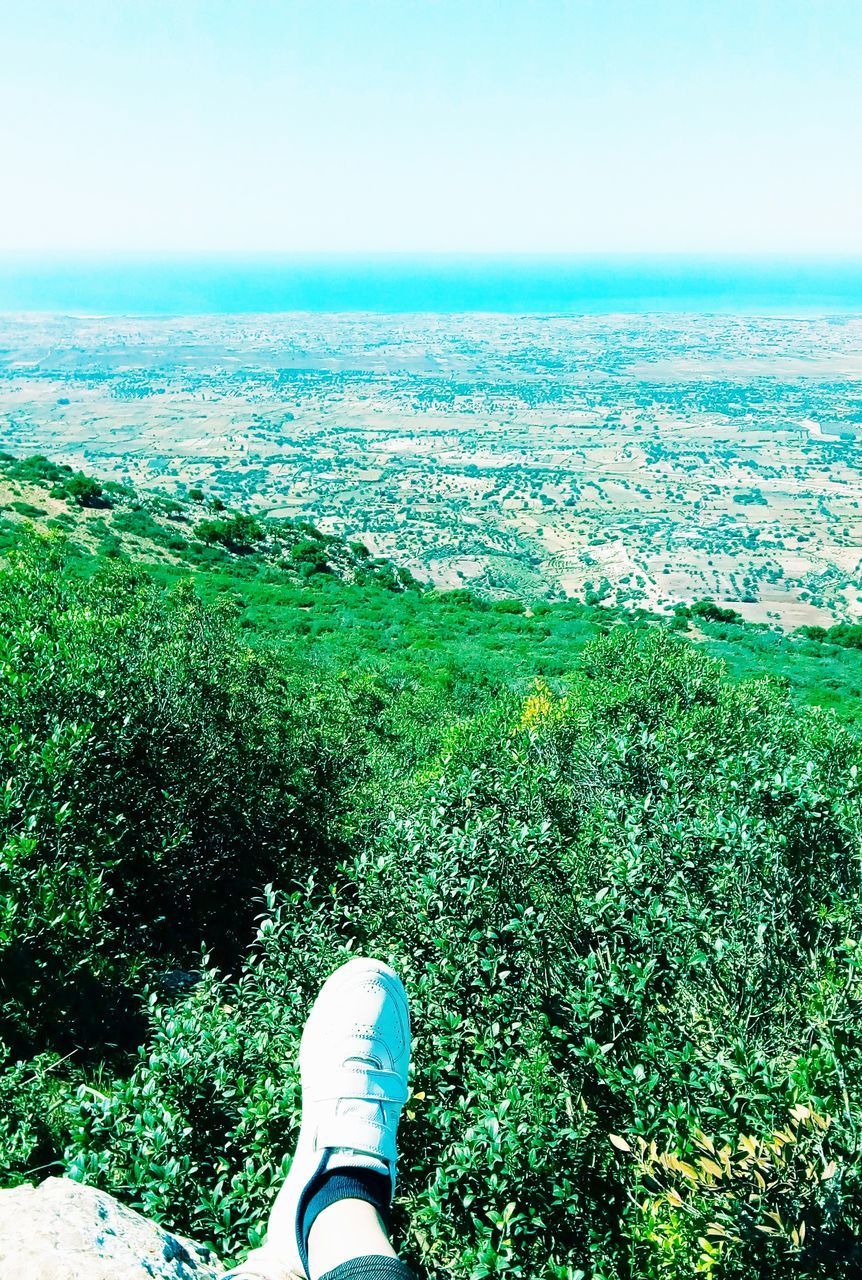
(110, 519)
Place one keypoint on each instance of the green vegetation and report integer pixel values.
(750, 498)
(66, 484)
(845, 634)
(636, 462)
(157, 780)
(713, 612)
(239, 533)
(26, 508)
(621, 879)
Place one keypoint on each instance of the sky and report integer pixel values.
(574, 126)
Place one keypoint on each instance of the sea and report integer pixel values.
(181, 285)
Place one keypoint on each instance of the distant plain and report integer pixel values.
(631, 459)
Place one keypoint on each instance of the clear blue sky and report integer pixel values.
(364, 125)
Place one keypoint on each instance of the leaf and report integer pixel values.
(618, 1142)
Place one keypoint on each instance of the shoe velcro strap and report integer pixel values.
(361, 1085)
(358, 1134)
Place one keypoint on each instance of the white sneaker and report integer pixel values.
(353, 1061)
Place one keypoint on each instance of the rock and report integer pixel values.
(178, 982)
(61, 1230)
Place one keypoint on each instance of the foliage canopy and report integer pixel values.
(625, 900)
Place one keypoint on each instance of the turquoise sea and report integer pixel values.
(186, 285)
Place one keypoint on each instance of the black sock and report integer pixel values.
(342, 1184)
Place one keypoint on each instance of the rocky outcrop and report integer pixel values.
(61, 1230)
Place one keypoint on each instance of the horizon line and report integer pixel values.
(579, 255)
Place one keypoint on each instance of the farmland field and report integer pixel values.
(634, 460)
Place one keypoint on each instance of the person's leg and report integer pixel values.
(330, 1217)
(343, 1231)
(371, 1268)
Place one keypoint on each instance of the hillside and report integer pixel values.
(622, 880)
(292, 586)
(111, 521)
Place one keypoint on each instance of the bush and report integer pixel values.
(847, 634)
(627, 912)
(84, 491)
(37, 469)
(27, 509)
(626, 901)
(35, 1103)
(73, 486)
(309, 555)
(156, 773)
(139, 523)
(239, 533)
(712, 612)
(110, 548)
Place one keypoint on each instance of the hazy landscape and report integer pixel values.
(430, 530)
(627, 459)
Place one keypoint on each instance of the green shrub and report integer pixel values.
(139, 523)
(116, 489)
(36, 1101)
(84, 491)
(627, 913)
(73, 486)
(238, 533)
(36, 469)
(155, 774)
(309, 555)
(847, 634)
(27, 508)
(110, 548)
(713, 612)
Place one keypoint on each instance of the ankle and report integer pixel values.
(345, 1230)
